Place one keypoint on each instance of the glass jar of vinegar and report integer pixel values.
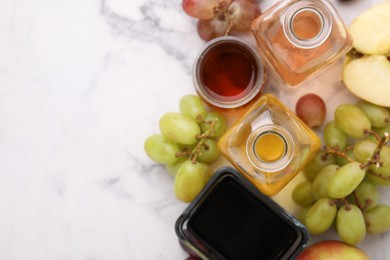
(269, 144)
(228, 73)
(299, 38)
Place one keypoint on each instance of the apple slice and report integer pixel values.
(371, 30)
(369, 79)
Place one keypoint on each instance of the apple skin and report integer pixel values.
(332, 250)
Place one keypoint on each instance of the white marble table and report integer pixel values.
(82, 84)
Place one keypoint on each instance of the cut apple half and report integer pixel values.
(369, 79)
(371, 30)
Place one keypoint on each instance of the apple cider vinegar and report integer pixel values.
(269, 144)
(306, 24)
(300, 38)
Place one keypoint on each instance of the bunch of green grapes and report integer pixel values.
(341, 186)
(187, 145)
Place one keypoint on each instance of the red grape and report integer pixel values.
(311, 109)
(188, 250)
(212, 28)
(202, 9)
(242, 13)
(218, 17)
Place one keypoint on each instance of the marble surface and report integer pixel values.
(82, 84)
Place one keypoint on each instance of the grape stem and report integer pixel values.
(346, 204)
(380, 176)
(370, 132)
(193, 156)
(360, 206)
(223, 14)
(336, 151)
(348, 148)
(185, 152)
(376, 157)
(374, 160)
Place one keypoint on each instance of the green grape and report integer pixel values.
(321, 182)
(179, 128)
(385, 156)
(351, 120)
(376, 114)
(316, 164)
(334, 136)
(350, 224)
(341, 160)
(380, 176)
(377, 219)
(192, 106)
(364, 149)
(302, 194)
(345, 180)
(209, 151)
(320, 216)
(381, 131)
(371, 137)
(161, 150)
(190, 180)
(187, 148)
(365, 196)
(172, 168)
(220, 126)
(301, 215)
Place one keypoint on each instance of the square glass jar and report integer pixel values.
(231, 219)
(299, 38)
(269, 144)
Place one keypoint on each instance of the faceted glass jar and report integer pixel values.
(299, 38)
(269, 144)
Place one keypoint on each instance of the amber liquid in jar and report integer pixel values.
(300, 38)
(269, 147)
(269, 144)
(228, 73)
(306, 24)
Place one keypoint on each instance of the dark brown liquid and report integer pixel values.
(228, 72)
(236, 225)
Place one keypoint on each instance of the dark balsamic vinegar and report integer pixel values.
(235, 224)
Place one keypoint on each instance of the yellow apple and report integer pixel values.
(369, 78)
(366, 70)
(371, 31)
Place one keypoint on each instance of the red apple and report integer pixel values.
(192, 254)
(332, 250)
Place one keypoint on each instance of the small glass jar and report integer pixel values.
(269, 144)
(301, 37)
(231, 219)
(228, 73)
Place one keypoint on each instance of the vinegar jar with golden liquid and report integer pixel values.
(269, 144)
(299, 38)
